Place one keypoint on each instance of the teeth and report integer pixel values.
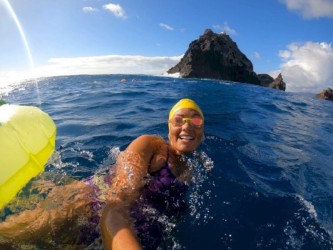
(186, 137)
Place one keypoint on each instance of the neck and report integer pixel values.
(176, 162)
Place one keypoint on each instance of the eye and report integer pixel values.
(197, 120)
(178, 120)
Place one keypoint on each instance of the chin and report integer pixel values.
(185, 149)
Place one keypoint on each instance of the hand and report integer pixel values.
(117, 231)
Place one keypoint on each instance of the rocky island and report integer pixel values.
(326, 94)
(217, 56)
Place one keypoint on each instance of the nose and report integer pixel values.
(187, 125)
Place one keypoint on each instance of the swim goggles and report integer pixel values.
(179, 121)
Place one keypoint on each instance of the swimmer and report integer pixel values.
(149, 172)
(158, 158)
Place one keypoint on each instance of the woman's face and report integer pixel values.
(185, 138)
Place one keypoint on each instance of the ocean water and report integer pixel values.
(268, 182)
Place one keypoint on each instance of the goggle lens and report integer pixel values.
(180, 121)
(197, 121)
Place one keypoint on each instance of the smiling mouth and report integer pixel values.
(186, 137)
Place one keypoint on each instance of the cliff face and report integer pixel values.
(215, 56)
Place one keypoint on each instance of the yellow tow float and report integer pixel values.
(27, 140)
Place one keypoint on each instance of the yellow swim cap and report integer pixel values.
(183, 104)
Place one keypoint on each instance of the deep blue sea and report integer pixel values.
(270, 152)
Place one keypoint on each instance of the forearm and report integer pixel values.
(117, 231)
(18, 226)
(130, 172)
(59, 210)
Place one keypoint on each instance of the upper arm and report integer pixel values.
(143, 146)
(131, 169)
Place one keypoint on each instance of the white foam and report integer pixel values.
(175, 75)
(310, 207)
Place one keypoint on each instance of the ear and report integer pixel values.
(203, 138)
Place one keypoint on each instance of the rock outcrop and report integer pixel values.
(278, 83)
(265, 79)
(326, 94)
(215, 56)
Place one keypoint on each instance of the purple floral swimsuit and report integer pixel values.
(163, 195)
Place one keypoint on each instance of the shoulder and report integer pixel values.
(146, 146)
(145, 142)
(150, 138)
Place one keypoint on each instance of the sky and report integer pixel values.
(68, 37)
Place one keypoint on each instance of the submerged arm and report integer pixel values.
(60, 209)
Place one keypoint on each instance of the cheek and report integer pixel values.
(173, 132)
(199, 136)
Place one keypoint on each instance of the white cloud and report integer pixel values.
(89, 9)
(166, 26)
(307, 67)
(109, 64)
(310, 8)
(114, 64)
(257, 55)
(225, 28)
(116, 9)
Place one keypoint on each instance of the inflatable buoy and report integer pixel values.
(27, 140)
